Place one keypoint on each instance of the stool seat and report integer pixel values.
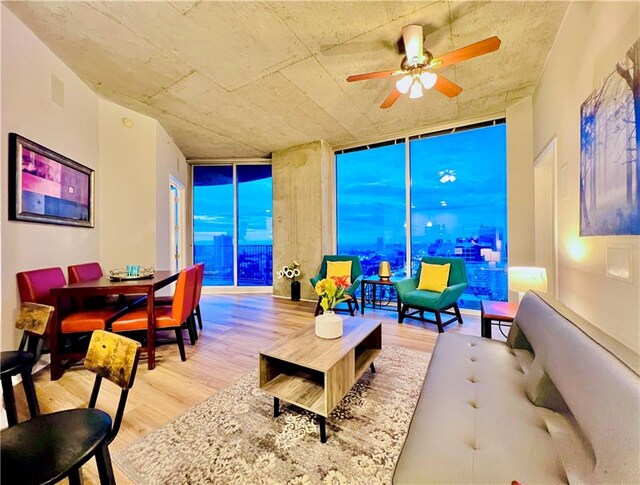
(13, 361)
(43, 450)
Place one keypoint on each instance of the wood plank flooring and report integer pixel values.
(235, 328)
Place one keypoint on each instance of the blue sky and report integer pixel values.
(371, 188)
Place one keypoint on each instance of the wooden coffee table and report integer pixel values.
(315, 373)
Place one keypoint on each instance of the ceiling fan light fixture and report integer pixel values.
(428, 79)
(403, 84)
(412, 37)
(416, 90)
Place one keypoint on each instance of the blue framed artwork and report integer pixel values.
(609, 152)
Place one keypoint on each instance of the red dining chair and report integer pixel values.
(198, 293)
(84, 272)
(190, 324)
(92, 271)
(167, 318)
(34, 286)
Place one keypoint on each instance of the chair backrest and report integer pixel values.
(183, 296)
(33, 320)
(199, 280)
(113, 357)
(84, 272)
(34, 286)
(457, 273)
(356, 267)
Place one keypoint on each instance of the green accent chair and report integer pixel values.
(431, 301)
(356, 278)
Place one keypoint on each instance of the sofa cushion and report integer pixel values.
(597, 377)
(516, 338)
(541, 391)
(474, 424)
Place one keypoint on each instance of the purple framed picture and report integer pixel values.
(47, 187)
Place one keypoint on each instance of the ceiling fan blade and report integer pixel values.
(469, 52)
(446, 87)
(392, 98)
(372, 75)
(413, 40)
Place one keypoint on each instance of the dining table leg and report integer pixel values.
(54, 334)
(151, 329)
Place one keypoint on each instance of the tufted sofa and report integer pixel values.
(558, 403)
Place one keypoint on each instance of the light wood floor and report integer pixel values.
(235, 328)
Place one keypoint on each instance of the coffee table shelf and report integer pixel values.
(300, 388)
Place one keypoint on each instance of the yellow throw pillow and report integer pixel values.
(339, 269)
(434, 277)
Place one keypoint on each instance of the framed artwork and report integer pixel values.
(47, 187)
(609, 152)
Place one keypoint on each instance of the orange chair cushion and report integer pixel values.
(137, 320)
(86, 321)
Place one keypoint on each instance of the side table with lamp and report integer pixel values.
(521, 280)
(383, 279)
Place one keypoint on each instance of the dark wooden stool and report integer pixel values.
(54, 446)
(33, 319)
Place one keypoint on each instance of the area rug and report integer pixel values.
(233, 438)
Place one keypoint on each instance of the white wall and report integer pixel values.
(71, 130)
(136, 164)
(170, 163)
(592, 38)
(127, 183)
(133, 166)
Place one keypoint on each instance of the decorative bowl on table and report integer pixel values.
(132, 273)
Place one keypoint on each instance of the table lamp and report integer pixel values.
(384, 271)
(524, 278)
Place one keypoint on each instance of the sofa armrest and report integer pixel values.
(405, 286)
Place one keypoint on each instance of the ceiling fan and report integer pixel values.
(418, 63)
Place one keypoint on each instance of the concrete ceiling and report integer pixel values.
(243, 79)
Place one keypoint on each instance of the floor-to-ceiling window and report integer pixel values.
(232, 231)
(459, 206)
(371, 206)
(454, 184)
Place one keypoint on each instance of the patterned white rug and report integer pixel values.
(233, 437)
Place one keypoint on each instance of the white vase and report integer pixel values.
(329, 325)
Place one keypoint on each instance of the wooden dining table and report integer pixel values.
(102, 287)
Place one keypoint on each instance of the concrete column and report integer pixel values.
(303, 211)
